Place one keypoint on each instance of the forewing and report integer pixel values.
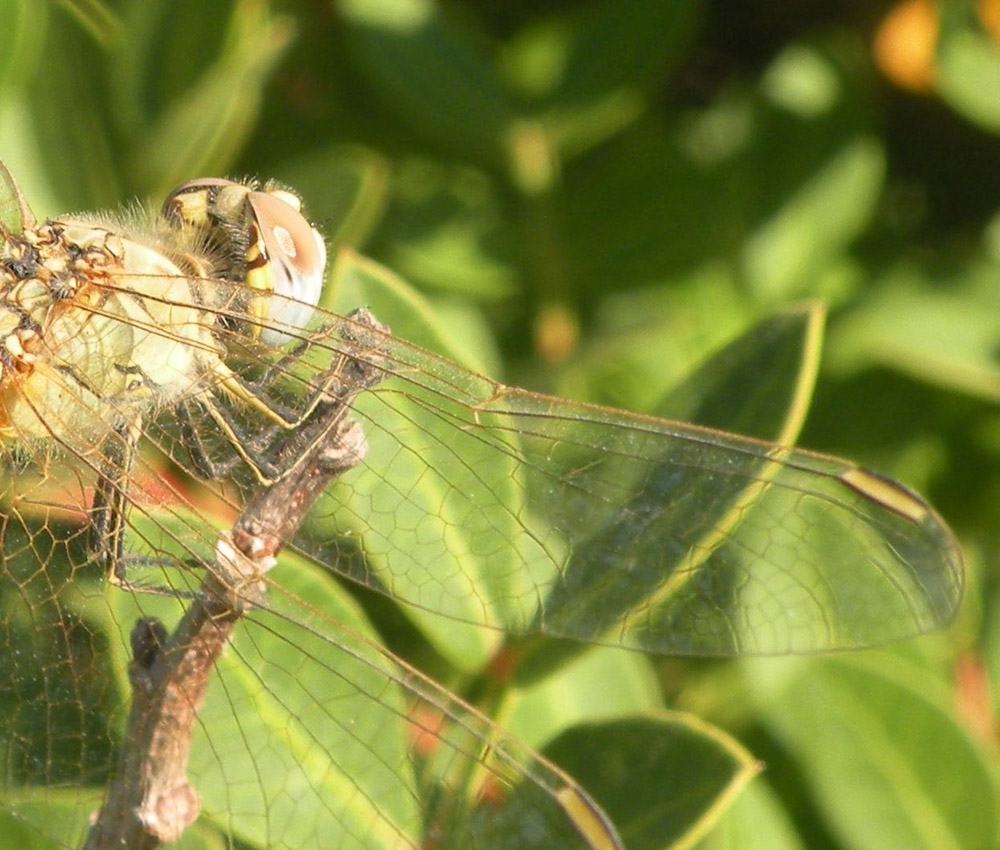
(531, 514)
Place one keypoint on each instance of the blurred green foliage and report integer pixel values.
(593, 196)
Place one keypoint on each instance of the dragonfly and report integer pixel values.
(171, 389)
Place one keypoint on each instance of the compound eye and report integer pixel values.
(297, 255)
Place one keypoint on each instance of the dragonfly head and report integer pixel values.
(266, 242)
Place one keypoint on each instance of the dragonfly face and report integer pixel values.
(264, 241)
(195, 359)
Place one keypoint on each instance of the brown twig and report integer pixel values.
(150, 801)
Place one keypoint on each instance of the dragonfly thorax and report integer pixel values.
(94, 330)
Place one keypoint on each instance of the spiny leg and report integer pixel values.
(109, 514)
(109, 509)
(263, 452)
(328, 399)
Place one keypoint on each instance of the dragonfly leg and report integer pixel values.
(109, 508)
(266, 451)
(262, 451)
(109, 514)
(353, 368)
(205, 464)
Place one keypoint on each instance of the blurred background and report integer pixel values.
(593, 196)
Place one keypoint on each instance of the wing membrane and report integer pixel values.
(534, 515)
(531, 514)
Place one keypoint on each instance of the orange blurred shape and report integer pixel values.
(989, 14)
(906, 39)
(904, 45)
(974, 700)
(426, 728)
(492, 793)
(556, 332)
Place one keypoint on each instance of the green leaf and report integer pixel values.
(943, 331)
(817, 222)
(754, 821)
(969, 76)
(302, 732)
(645, 342)
(601, 684)
(664, 779)
(31, 817)
(333, 765)
(398, 497)
(168, 46)
(432, 72)
(22, 31)
(356, 281)
(760, 384)
(70, 114)
(625, 45)
(888, 761)
(590, 78)
(446, 231)
(182, 141)
(96, 19)
(642, 210)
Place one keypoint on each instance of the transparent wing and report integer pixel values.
(534, 515)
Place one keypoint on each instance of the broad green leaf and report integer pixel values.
(446, 231)
(819, 221)
(601, 684)
(72, 120)
(599, 67)
(624, 45)
(356, 281)
(889, 763)
(180, 142)
(369, 501)
(969, 76)
(644, 343)
(339, 765)
(170, 46)
(761, 383)
(644, 211)
(754, 821)
(945, 332)
(432, 73)
(42, 813)
(22, 30)
(664, 778)
(300, 734)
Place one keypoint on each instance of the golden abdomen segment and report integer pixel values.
(94, 331)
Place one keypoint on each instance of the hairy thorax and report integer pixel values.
(95, 331)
